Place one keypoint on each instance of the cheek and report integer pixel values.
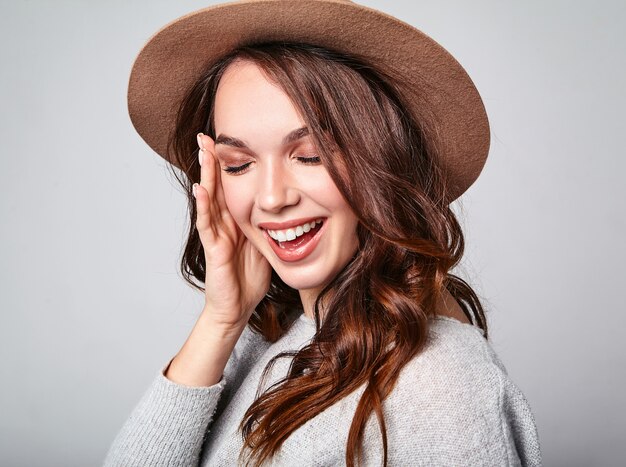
(335, 202)
(238, 201)
(329, 195)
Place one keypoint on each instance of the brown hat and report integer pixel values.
(173, 58)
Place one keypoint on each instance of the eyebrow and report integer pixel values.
(237, 143)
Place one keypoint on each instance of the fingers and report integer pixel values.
(205, 190)
(211, 205)
(219, 191)
(207, 165)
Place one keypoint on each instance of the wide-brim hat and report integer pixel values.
(175, 56)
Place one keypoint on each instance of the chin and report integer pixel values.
(303, 282)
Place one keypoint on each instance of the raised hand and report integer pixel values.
(237, 274)
(237, 278)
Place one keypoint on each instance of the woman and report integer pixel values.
(319, 179)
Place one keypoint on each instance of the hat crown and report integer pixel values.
(432, 81)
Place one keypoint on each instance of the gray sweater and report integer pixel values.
(453, 405)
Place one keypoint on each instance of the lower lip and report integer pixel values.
(298, 253)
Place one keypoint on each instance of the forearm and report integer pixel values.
(203, 357)
(167, 426)
(171, 419)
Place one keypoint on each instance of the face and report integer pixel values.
(274, 183)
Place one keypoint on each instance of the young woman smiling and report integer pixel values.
(333, 331)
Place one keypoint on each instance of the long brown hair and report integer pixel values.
(384, 161)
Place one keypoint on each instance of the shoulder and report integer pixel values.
(457, 351)
(457, 398)
(456, 369)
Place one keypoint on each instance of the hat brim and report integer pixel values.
(173, 58)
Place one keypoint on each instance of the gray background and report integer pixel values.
(93, 225)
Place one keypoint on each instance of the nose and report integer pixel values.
(276, 187)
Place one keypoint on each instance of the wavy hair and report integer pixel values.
(384, 161)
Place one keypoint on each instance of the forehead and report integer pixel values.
(239, 73)
(248, 104)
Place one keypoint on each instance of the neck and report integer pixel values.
(308, 297)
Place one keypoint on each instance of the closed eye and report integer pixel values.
(235, 170)
(309, 160)
(241, 168)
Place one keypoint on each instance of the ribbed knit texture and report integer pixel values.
(453, 405)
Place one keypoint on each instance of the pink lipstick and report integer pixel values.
(300, 247)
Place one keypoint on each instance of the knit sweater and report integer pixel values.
(453, 404)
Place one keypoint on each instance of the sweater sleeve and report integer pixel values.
(519, 423)
(168, 425)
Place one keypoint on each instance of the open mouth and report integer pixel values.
(298, 248)
(301, 240)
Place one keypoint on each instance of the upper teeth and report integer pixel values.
(292, 233)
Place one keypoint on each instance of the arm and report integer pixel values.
(172, 418)
(168, 425)
(519, 423)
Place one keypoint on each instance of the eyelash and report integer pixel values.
(241, 168)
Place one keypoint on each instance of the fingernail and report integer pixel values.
(194, 189)
(201, 146)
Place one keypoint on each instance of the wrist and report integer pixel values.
(220, 330)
